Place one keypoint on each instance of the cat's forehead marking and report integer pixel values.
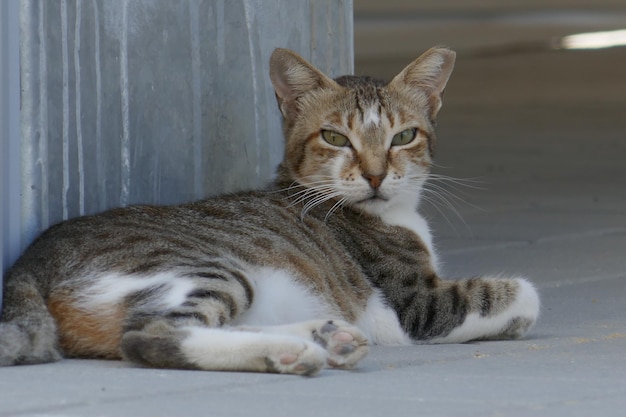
(368, 103)
(371, 116)
(365, 91)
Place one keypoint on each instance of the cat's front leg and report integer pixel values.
(446, 311)
(495, 308)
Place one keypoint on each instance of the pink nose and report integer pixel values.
(375, 180)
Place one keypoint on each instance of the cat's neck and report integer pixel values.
(401, 211)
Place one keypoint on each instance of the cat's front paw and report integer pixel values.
(346, 344)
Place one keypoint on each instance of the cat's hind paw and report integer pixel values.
(304, 358)
(342, 344)
(346, 344)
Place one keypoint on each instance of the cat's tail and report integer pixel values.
(27, 329)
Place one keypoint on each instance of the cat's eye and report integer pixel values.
(405, 137)
(334, 138)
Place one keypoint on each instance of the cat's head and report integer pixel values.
(359, 140)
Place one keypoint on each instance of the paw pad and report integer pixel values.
(329, 327)
(345, 343)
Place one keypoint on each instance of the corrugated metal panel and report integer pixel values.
(145, 101)
(9, 134)
(148, 101)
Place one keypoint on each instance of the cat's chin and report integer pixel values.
(372, 205)
(380, 205)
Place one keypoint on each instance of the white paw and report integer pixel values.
(299, 358)
(345, 344)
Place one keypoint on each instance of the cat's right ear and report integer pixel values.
(292, 77)
(429, 73)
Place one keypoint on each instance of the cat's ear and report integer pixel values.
(292, 77)
(428, 73)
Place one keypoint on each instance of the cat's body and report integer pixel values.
(288, 279)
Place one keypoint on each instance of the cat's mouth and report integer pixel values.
(375, 197)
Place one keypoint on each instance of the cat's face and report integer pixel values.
(360, 141)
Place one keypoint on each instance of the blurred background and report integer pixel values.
(388, 32)
(534, 117)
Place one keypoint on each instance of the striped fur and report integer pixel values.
(275, 280)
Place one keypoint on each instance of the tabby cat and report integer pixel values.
(304, 274)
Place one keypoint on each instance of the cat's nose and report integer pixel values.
(374, 180)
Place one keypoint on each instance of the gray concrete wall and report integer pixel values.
(154, 101)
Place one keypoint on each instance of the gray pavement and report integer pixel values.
(543, 138)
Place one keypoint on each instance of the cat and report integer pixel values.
(302, 275)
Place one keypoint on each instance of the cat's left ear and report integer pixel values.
(292, 77)
(428, 73)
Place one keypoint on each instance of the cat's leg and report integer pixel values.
(496, 308)
(445, 311)
(159, 344)
(181, 325)
(345, 344)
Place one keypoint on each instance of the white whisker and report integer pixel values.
(445, 192)
(446, 203)
(311, 192)
(335, 207)
(295, 185)
(308, 193)
(316, 201)
(455, 198)
(463, 182)
(435, 204)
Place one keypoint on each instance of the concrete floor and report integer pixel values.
(540, 139)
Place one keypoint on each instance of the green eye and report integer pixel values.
(334, 138)
(404, 137)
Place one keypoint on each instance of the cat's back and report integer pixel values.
(261, 228)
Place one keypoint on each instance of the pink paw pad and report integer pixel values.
(343, 337)
(288, 358)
